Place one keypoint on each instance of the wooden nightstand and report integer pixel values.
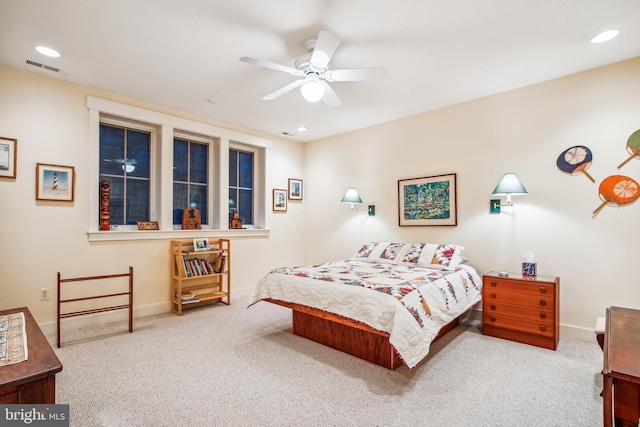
(522, 309)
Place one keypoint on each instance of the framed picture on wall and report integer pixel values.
(55, 182)
(295, 189)
(429, 200)
(279, 200)
(8, 157)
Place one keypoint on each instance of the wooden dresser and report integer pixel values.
(523, 309)
(34, 380)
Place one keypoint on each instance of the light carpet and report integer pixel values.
(237, 366)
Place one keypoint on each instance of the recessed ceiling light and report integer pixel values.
(604, 36)
(48, 51)
(301, 129)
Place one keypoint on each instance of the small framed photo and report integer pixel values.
(295, 189)
(201, 245)
(8, 157)
(147, 225)
(427, 201)
(55, 182)
(279, 200)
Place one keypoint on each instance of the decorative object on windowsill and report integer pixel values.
(8, 157)
(191, 219)
(352, 197)
(55, 182)
(633, 147)
(509, 185)
(235, 221)
(428, 201)
(105, 203)
(576, 159)
(147, 225)
(618, 190)
(295, 189)
(529, 266)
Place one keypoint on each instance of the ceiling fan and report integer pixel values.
(314, 73)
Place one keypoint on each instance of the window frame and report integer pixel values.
(167, 126)
(248, 149)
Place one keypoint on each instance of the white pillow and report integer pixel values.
(382, 252)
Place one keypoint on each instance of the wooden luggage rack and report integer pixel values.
(128, 306)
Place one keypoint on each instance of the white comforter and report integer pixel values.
(412, 304)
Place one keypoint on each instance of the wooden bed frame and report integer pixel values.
(347, 335)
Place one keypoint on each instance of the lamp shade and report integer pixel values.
(312, 91)
(352, 196)
(509, 185)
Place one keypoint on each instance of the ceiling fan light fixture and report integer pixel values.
(312, 91)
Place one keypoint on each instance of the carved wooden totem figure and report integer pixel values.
(105, 201)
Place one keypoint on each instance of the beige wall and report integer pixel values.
(520, 131)
(50, 120)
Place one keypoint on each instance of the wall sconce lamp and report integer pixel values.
(352, 196)
(509, 185)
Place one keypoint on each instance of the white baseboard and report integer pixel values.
(99, 319)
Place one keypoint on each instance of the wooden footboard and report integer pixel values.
(347, 335)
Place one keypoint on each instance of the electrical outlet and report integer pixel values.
(44, 294)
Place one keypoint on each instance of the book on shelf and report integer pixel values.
(187, 297)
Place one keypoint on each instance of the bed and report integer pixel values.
(386, 304)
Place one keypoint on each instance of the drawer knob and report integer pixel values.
(492, 295)
(543, 328)
(492, 307)
(493, 283)
(543, 315)
(543, 289)
(492, 318)
(543, 302)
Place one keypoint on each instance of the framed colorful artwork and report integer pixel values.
(427, 201)
(8, 157)
(55, 182)
(279, 200)
(295, 189)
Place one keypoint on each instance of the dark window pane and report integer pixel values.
(198, 200)
(199, 162)
(180, 195)
(111, 150)
(137, 201)
(116, 199)
(246, 170)
(245, 208)
(138, 153)
(233, 168)
(180, 161)
(233, 201)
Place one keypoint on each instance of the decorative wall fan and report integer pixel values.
(314, 73)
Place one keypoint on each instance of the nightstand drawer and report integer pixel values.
(520, 325)
(534, 301)
(519, 286)
(530, 313)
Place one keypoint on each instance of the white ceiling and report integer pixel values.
(184, 53)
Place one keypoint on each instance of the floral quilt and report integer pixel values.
(412, 304)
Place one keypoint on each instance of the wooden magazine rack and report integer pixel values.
(128, 306)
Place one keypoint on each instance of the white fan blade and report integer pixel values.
(283, 90)
(326, 46)
(267, 64)
(356, 74)
(330, 98)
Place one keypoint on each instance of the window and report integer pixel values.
(134, 149)
(124, 162)
(190, 178)
(241, 184)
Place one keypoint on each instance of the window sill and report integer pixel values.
(116, 235)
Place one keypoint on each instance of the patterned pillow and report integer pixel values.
(383, 252)
(432, 255)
